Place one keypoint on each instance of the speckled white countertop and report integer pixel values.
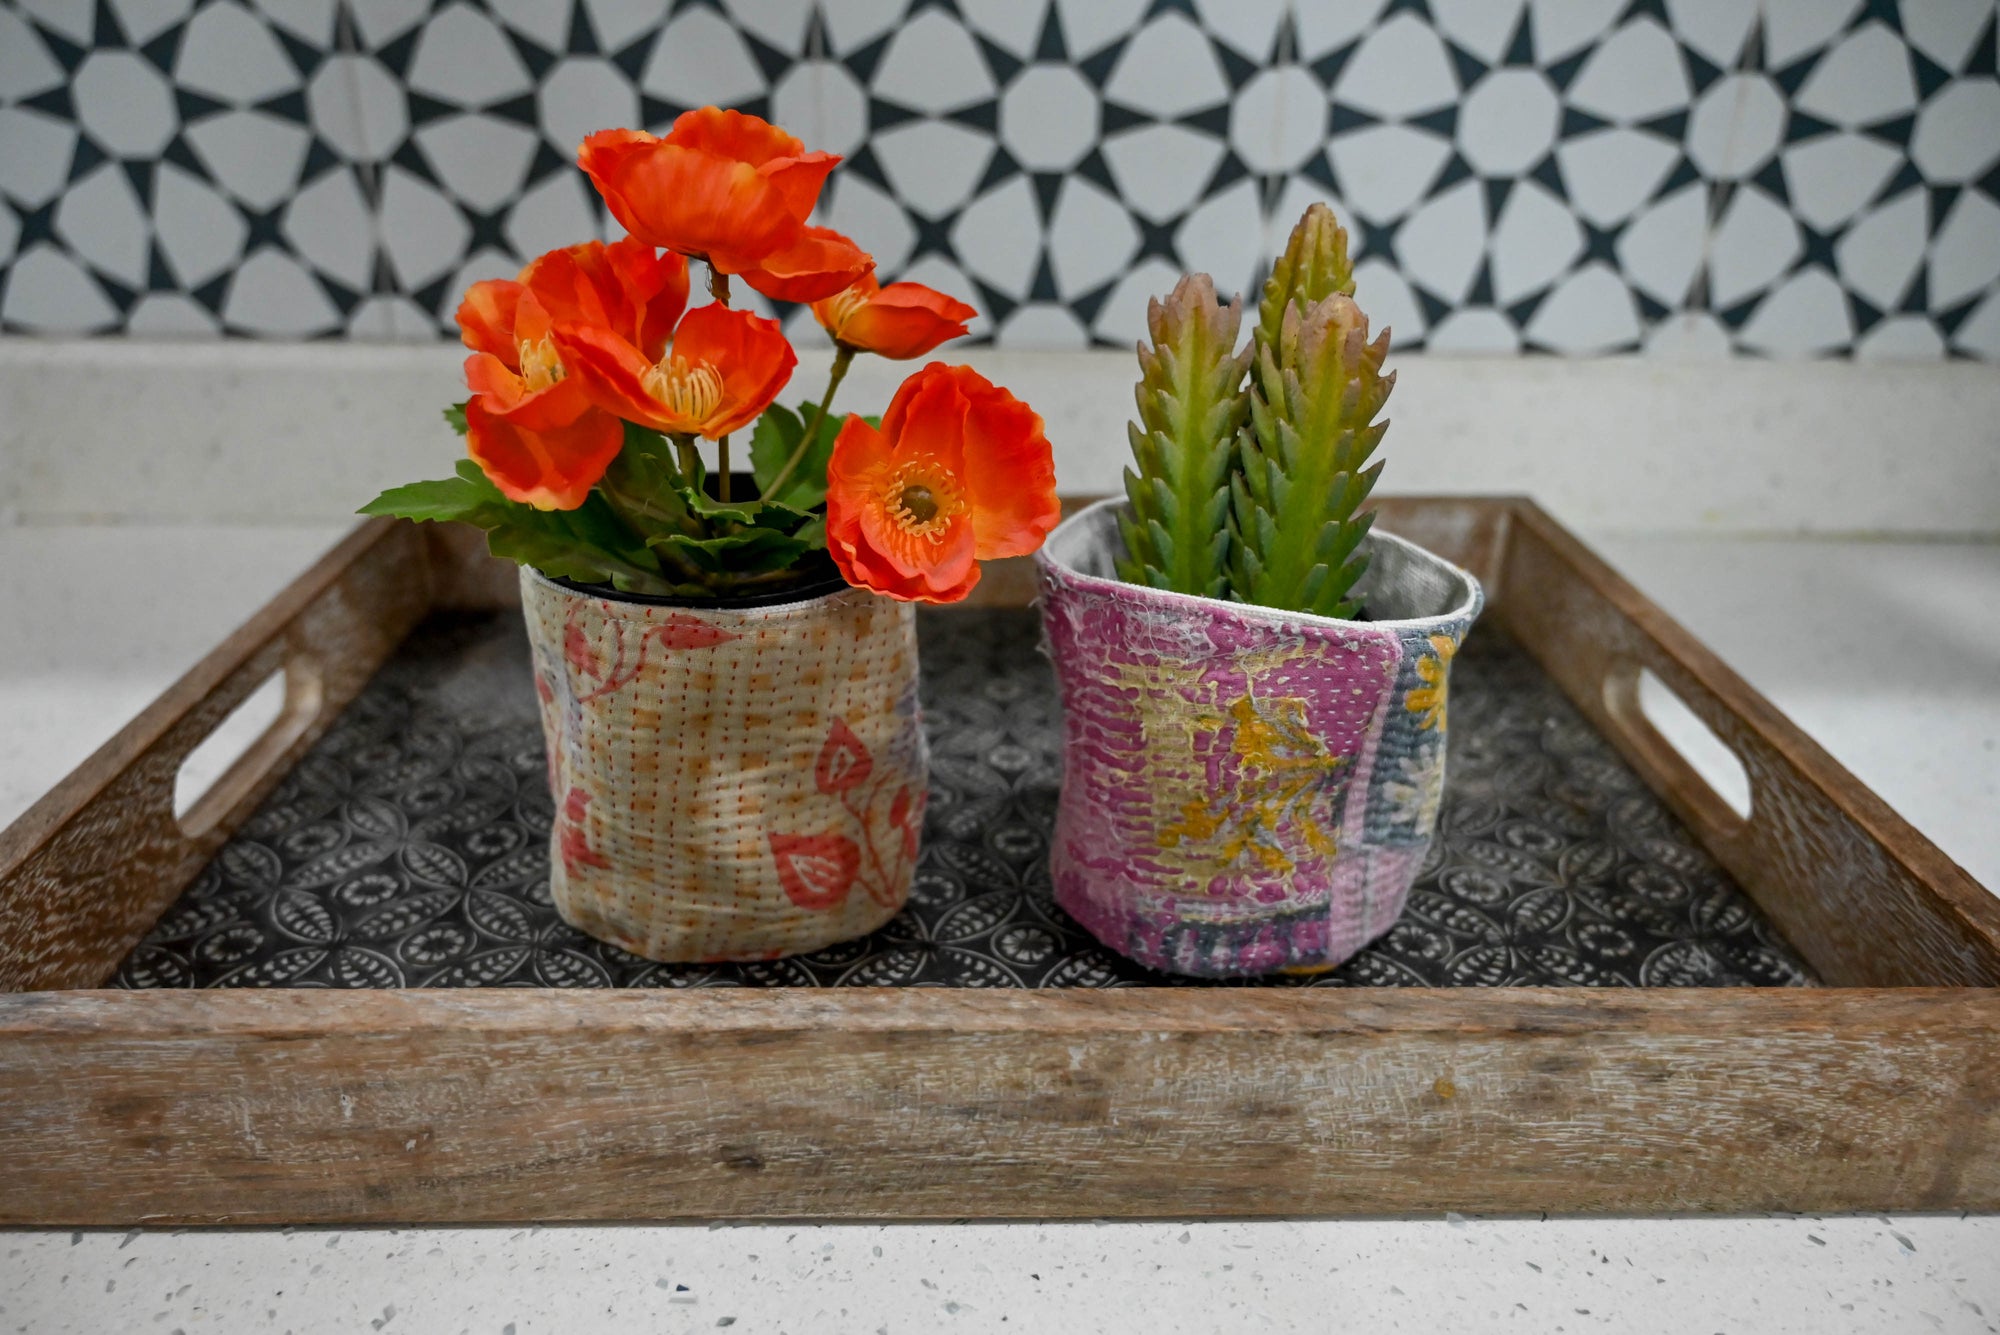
(1877, 649)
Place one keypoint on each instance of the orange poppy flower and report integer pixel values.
(819, 264)
(960, 472)
(720, 370)
(628, 287)
(721, 185)
(900, 321)
(529, 424)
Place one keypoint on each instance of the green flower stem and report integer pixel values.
(690, 459)
(842, 358)
(722, 469)
(718, 284)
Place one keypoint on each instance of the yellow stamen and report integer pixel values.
(922, 501)
(540, 365)
(842, 306)
(691, 392)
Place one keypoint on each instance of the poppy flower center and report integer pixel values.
(841, 307)
(540, 364)
(921, 503)
(690, 390)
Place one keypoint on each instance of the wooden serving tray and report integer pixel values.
(1879, 1090)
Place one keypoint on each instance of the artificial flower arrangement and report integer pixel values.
(1254, 679)
(730, 708)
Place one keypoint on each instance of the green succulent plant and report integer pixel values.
(1251, 468)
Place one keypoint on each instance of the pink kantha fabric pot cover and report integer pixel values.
(729, 784)
(1245, 790)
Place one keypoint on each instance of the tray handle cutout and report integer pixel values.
(1677, 748)
(240, 751)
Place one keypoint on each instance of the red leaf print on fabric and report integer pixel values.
(681, 631)
(574, 843)
(576, 648)
(906, 813)
(843, 761)
(816, 870)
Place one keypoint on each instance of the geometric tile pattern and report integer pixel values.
(1800, 177)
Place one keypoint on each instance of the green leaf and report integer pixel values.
(456, 416)
(445, 500)
(778, 433)
(753, 551)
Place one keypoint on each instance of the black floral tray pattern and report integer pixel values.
(410, 849)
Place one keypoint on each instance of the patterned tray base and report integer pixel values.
(410, 849)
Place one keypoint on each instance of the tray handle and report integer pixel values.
(1662, 763)
(261, 761)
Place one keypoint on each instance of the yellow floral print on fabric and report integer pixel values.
(1272, 819)
(1428, 700)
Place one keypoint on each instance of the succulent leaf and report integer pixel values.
(1313, 268)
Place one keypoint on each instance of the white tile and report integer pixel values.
(1980, 334)
(1534, 241)
(308, 20)
(1474, 330)
(1483, 27)
(1661, 249)
(421, 231)
(197, 229)
(1564, 26)
(1385, 169)
(170, 315)
(10, 235)
(1090, 238)
(1611, 173)
(1945, 30)
(228, 54)
(1689, 336)
(124, 103)
(1389, 304)
(781, 23)
(390, 320)
(1161, 169)
(358, 107)
(1251, 26)
(873, 218)
(1965, 253)
(328, 223)
(1123, 318)
(553, 212)
(479, 267)
(143, 20)
(582, 95)
(1223, 237)
(1754, 243)
(102, 222)
(271, 294)
(618, 23)
(254, 156)
(1806, 315)
(1831, 178)
(1049, 117)
(1714, 28)
(1507, 122)
(544, 23)
(1167, 69)
(701, 60)
(1013, 25)
(933, 165)
(1279, 120)
(1090, 25)
(26, 67)
(1400, 69)
(75, 19)
(1041, 326)
(1879, 255)
(1903, 338)
(1794, 27)
(1440, 245)
(1736, 126)
(823, 104)
(482, 159)
(464, 58)
(851, 24)
(1958, 131)
(933, 64)
(34, 154)
(999, 236)
(1590, 311)
(1864, 78)
(1635, 74)
(381, 21)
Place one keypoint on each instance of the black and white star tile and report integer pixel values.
(1568, 176)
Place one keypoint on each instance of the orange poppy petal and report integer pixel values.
(552, 470)
(800, 179)
(905, 320)
(732, 134)
(751, 354)
(1010, 472)
(697, 203)
(612, 374)
(486, 318)
(494, 380)
(927, 416)
(818, 265)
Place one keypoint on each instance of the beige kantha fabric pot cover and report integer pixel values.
(729, 784)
